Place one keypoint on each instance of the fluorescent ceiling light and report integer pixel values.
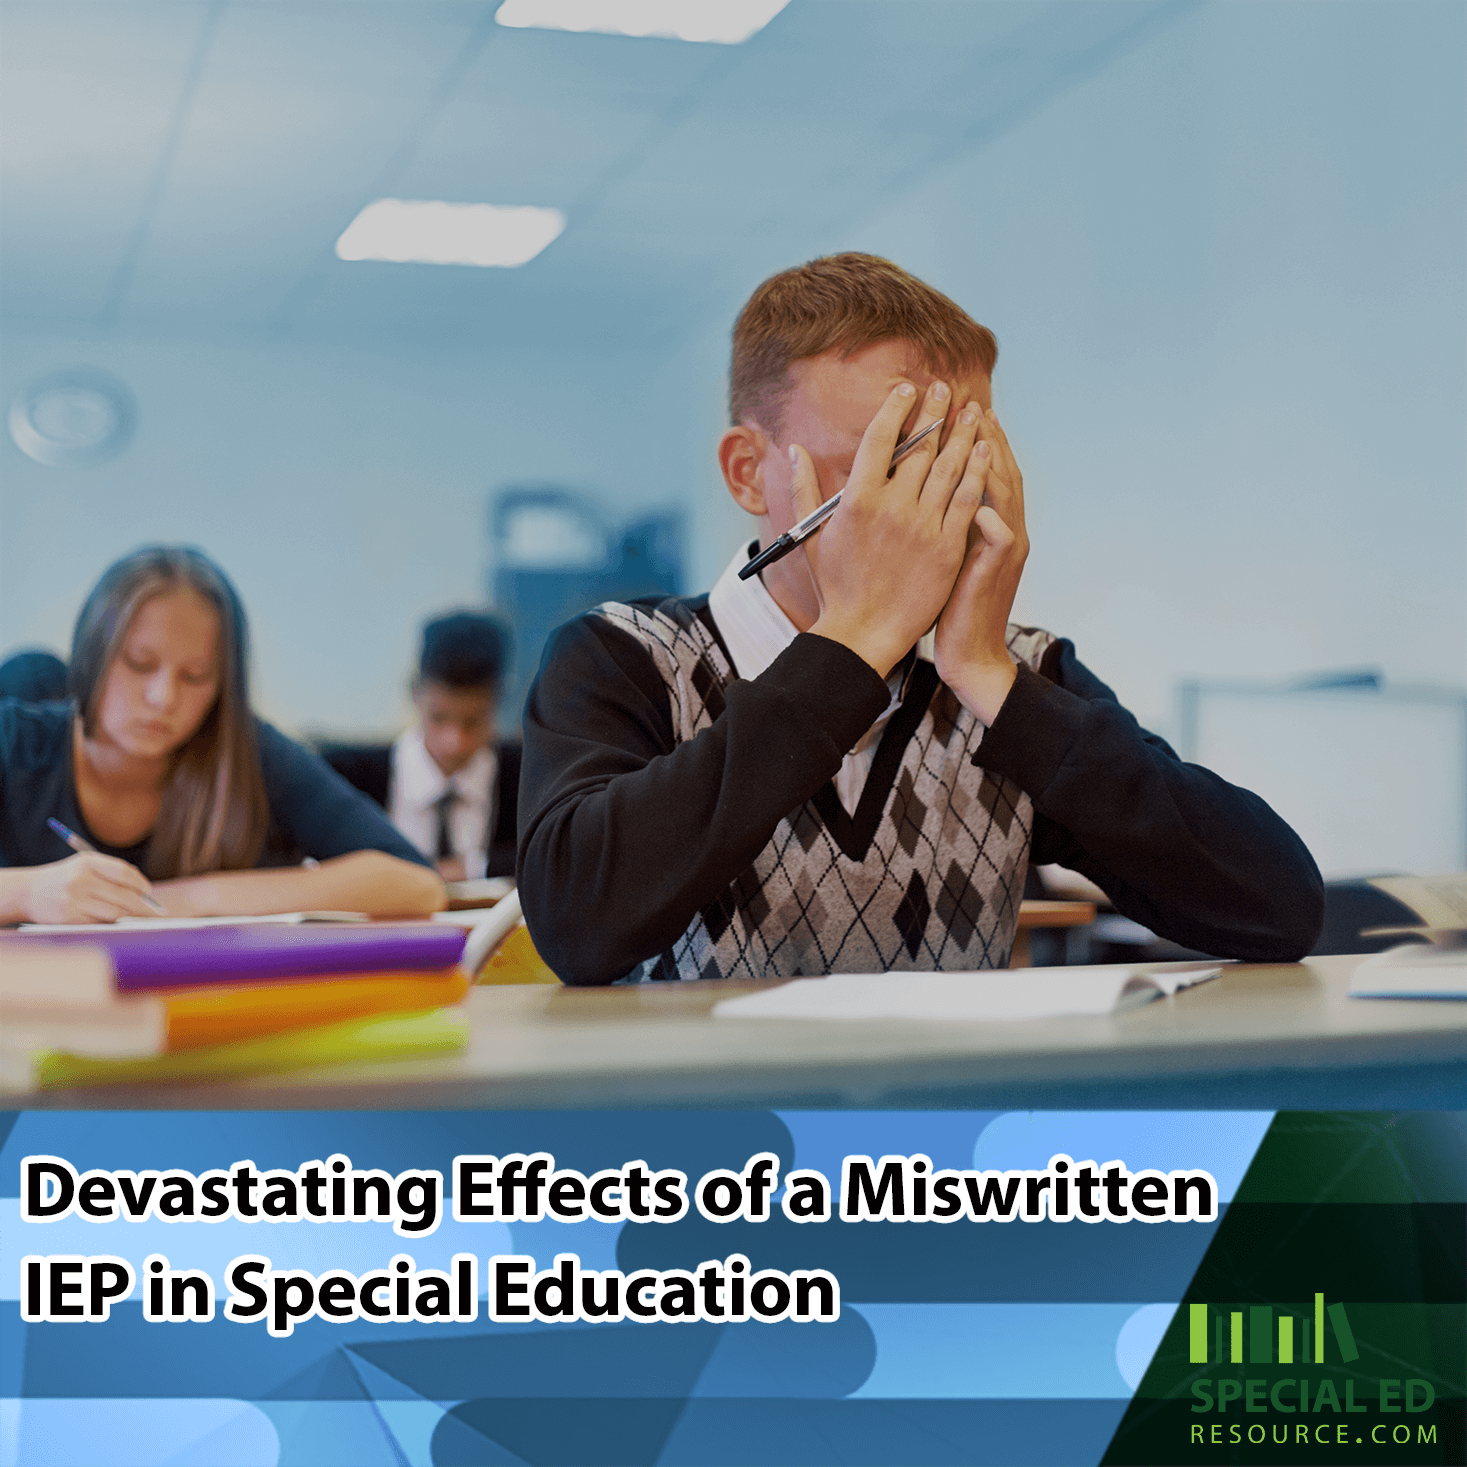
(432, 233)
(726, 21)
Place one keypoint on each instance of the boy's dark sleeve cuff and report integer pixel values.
(837, 690)
(1033, 734)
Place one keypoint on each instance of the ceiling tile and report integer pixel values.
(298, 111)
(543, 117)
(87, 93)
(688, 172)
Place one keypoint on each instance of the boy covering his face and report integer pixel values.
(847, 763)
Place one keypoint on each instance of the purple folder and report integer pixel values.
(184, 957)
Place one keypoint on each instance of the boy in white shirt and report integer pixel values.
(446, 783)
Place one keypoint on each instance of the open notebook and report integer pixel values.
(994, 996)
(1440, 904)
(184, 924)
(1433, 966)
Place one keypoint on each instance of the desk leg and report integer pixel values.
(1021, 956)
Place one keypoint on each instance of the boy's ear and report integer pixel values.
(741, 453)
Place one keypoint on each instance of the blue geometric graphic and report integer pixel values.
(141, 1433)
(961, 1342)
(1221, 1142)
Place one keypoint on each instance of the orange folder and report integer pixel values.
(224, 1014)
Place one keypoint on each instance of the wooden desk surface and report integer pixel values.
(1040, 913)
(1257, 1037)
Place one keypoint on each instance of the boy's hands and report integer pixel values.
(972, 652)
(884, 564)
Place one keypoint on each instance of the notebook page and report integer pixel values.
(995, 996)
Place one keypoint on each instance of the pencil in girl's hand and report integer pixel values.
(86, 848)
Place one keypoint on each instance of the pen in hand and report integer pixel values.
(796, 535)
(86, 848)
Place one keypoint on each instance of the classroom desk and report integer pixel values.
(1038, 915)
(1257, 1037)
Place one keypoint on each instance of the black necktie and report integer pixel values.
(443, 808)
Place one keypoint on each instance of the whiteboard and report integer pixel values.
(1373, 780)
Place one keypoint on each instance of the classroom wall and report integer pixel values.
(1225, 273)
(345, 491)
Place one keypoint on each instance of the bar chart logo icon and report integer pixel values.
(1267, 1344)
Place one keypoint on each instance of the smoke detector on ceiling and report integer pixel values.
(74, 419)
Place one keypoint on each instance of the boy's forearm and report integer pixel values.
(626, 833)
(1176, 847)
(982, 690)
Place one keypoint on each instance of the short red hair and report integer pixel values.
(843, 303)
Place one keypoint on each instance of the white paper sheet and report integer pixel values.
(992, 996)
(1413, 970)
(169, 924)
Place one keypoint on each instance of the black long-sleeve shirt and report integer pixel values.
(631, 831)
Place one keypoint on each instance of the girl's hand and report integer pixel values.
(88, 887)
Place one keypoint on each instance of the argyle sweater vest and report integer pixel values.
(929, 872)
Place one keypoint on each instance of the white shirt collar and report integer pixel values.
(418, 783)
(753, 627)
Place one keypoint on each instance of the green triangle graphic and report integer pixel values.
(1339, 1272)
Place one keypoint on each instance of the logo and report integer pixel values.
(1301, 1407)
(1261, 1335)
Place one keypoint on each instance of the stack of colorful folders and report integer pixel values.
(124, 1005)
